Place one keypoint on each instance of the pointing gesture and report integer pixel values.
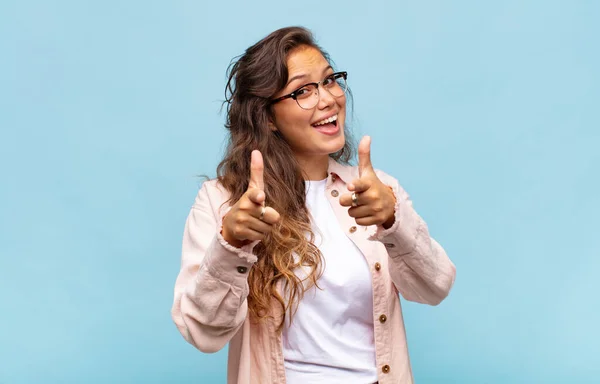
(371, 201)
(248, 219)
(257, 171)
(364, 157)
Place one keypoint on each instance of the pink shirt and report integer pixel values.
(210, 307)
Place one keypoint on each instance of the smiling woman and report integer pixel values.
(292, 256)
(307, 96)
(316, 129)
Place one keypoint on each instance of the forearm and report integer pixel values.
(211, 303)
(212, 286)
(419, 266)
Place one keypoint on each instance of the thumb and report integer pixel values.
(364, 156)
(257, 171)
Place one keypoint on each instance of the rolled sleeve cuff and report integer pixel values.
(228, 263)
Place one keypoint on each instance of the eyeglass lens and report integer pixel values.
(307, 97)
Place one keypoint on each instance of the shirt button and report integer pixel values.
(385, 369)
(335, 193)
(352, 229)
(389, 245)
(377, 266)
(242, 269)
(382, 319)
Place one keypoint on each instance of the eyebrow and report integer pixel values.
(302, 76)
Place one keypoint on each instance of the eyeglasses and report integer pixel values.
(307, 96)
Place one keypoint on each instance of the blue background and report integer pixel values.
(487, 112)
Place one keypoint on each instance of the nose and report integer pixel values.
(326, 99)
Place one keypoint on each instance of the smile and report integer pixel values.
(332, 119)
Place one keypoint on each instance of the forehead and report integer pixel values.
(305, 60)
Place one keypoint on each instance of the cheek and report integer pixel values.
(294, 121)
(342, 105)
(341, 101)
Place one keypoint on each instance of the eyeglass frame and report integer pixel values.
(293, 95)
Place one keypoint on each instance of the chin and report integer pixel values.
(337, 145)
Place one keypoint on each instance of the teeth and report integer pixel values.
(331, 119)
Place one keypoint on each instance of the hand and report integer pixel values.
(243, 223)
(375, 200)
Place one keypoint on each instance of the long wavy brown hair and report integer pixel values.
(253, 79)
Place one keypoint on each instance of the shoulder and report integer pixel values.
(211, 194)
(212, 186)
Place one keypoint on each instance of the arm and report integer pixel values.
(418, 265)
(210, 292)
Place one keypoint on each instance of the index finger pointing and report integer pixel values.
(364, 156)
(257, 171)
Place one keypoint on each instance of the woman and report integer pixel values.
(292, 256)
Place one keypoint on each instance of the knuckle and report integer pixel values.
(245, 204)
(251, 194)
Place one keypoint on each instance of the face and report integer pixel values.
(304, 129)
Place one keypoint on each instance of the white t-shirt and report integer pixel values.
(331, 336)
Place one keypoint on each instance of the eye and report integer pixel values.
(305, 92)
(329, 80)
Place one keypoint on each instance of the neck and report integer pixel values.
(314, 167)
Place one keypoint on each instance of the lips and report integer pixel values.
(328, 126)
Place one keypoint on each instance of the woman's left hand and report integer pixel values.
(374, 201)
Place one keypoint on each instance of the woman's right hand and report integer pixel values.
(243, 223)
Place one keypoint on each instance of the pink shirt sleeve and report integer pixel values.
(212, 286)
(418, 265)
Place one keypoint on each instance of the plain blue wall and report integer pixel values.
(487, 112)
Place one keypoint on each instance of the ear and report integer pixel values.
(272, 126)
